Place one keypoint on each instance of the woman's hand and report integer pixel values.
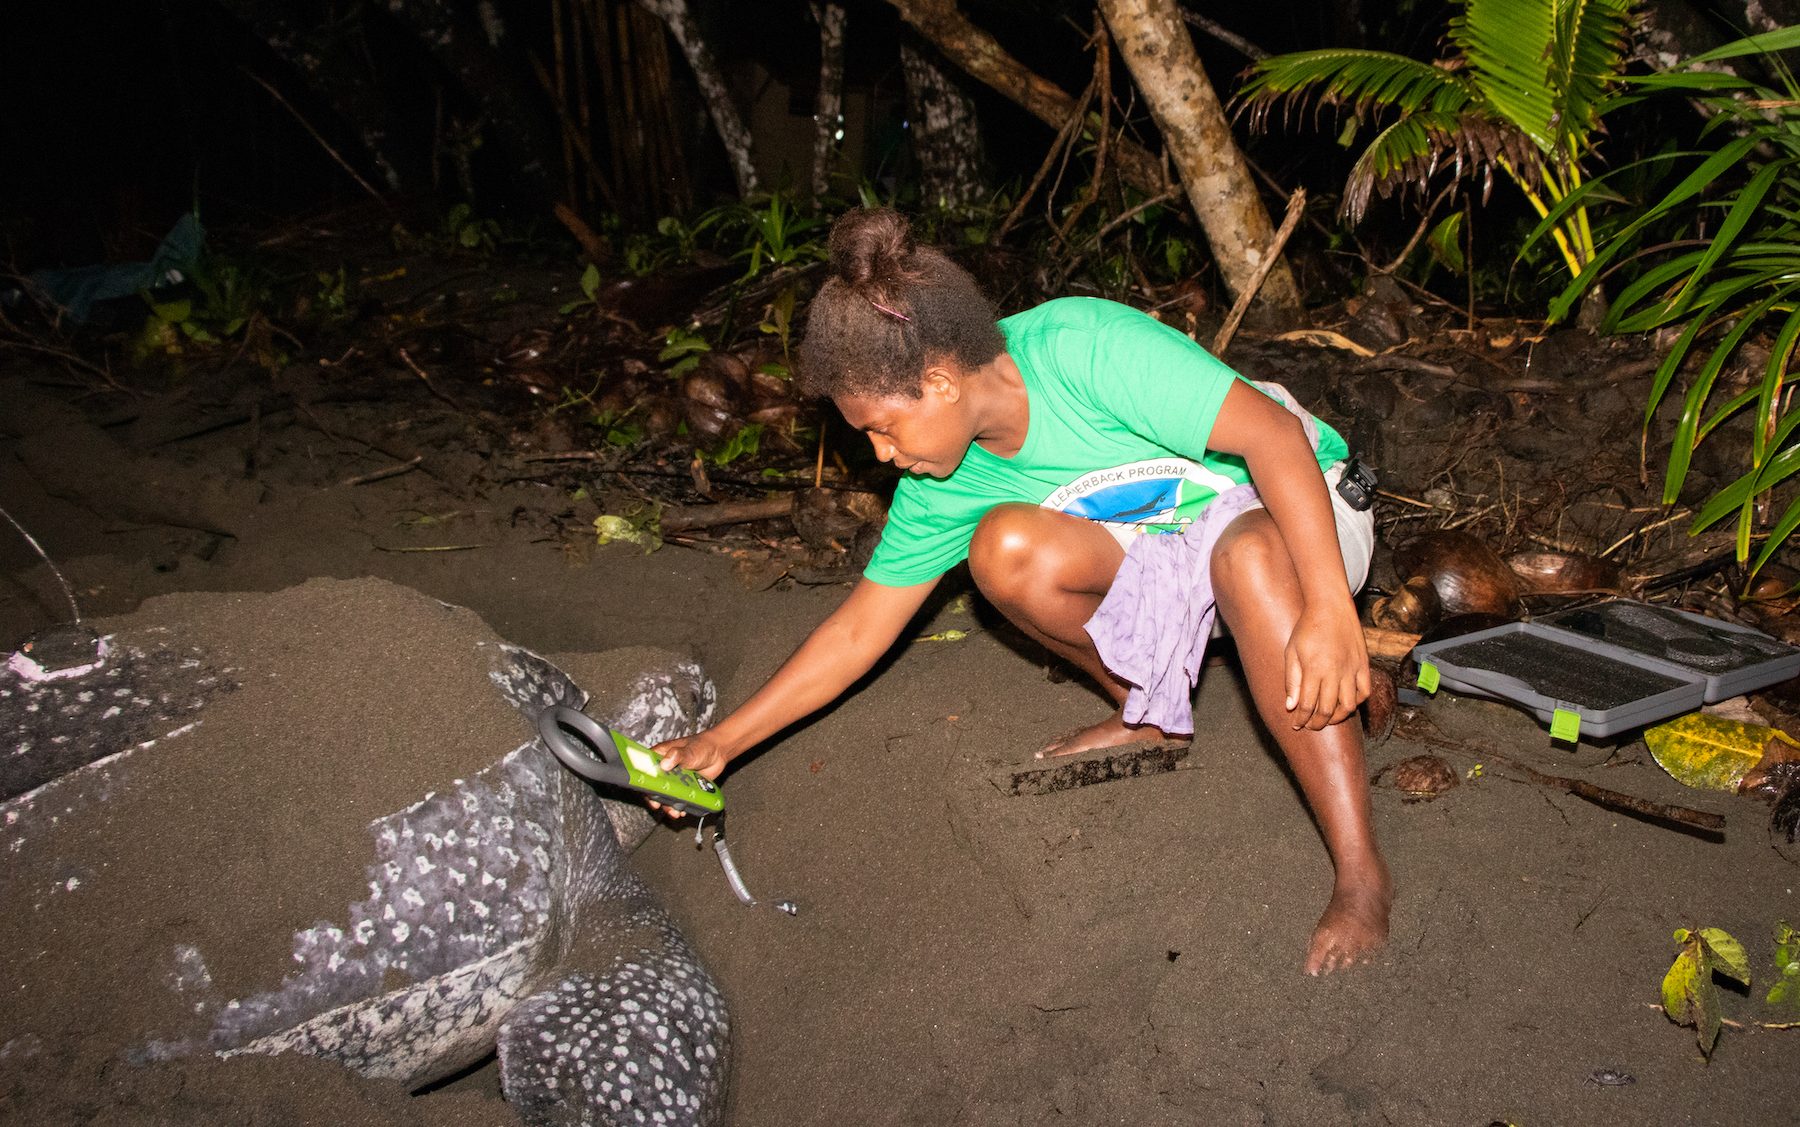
(838, 652)
(1327, 667)
(703, 753)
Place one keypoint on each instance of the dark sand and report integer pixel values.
(1126, 953)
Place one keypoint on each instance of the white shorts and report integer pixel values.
(1355, 532)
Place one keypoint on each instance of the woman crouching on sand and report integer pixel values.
(1111, 485)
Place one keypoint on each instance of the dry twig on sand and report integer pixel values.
(1580, 788)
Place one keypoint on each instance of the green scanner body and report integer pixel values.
(594, 751)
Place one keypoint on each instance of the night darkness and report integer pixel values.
(122, 116)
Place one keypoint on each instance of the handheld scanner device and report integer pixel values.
(594, 751)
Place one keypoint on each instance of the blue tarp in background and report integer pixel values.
(76, 290)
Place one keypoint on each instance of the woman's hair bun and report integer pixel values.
(870, 245)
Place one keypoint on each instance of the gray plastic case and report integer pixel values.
(1733, 659)
(1616, 665)
(1544, 670)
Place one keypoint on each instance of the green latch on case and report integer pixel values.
(1565, 725)
(1428, 676)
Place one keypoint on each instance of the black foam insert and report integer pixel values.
(1574, 676)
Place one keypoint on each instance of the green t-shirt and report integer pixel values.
(1121, 408)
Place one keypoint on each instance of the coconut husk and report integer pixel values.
(1423, 777)
(1563, 573)
(708, 387)
(1469, 576)
(1382, 707)
(1412, 609)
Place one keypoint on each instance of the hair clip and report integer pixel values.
(894, 313)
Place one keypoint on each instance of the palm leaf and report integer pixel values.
(1364, 81)
(1742, 210)
(1715, 300)
(1415, 148)
(1773, 381)
(1688, 424)
(1782, 39)
(1714, 166)
(1508, 45)
(1665, 372)
(1593, 38)
(1731, 407)
(1784, 527)
(1546, 67)
(1650, 281)
(1727, 500)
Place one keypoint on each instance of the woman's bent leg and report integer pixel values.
(1047, 572)
(1259, 596)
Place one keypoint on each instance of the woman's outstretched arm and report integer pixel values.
(834, 656)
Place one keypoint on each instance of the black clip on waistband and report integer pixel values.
(1357, 485)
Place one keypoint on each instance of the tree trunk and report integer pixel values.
(944, 133)
(724, 112)
(1672, 30)
(1155, 45)
(329, 65)
(513, 123)
(978, 53)
(829, 107)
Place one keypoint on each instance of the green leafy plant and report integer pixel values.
(780, 325)
(673, 242)
(618, 429)
(681, 351)
(332, 297)
(463, 228)
(1690, 994)
(1740, 284)
(1785, 994)
(641, 527)
(784, 236)
(219, 300)
(1690, 997)
(743, 443)
(590, 287)
(1522, 94)
(770, 235)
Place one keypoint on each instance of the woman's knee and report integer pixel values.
(1251, 559)
(1003, 549)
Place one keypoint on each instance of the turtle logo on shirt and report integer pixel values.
(1163, 491)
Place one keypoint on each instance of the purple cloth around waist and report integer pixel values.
(1151, 629)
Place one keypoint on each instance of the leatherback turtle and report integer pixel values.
(246, 879)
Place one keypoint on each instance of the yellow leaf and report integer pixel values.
(1728, 953)
(944, 636)
(1680, 985)
(1689, 996)
(1709, 752)
(1325, 338)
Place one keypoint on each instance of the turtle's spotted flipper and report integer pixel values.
(646, 1043)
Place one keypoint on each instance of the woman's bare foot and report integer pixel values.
(1111, 732)
(1355, 923)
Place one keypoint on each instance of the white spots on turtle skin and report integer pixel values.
(475, 896)
(484, 876)
(667, 704)
(420, 919)
(661, 704)
(529, 683)
(629, 1065)
(50, 728)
